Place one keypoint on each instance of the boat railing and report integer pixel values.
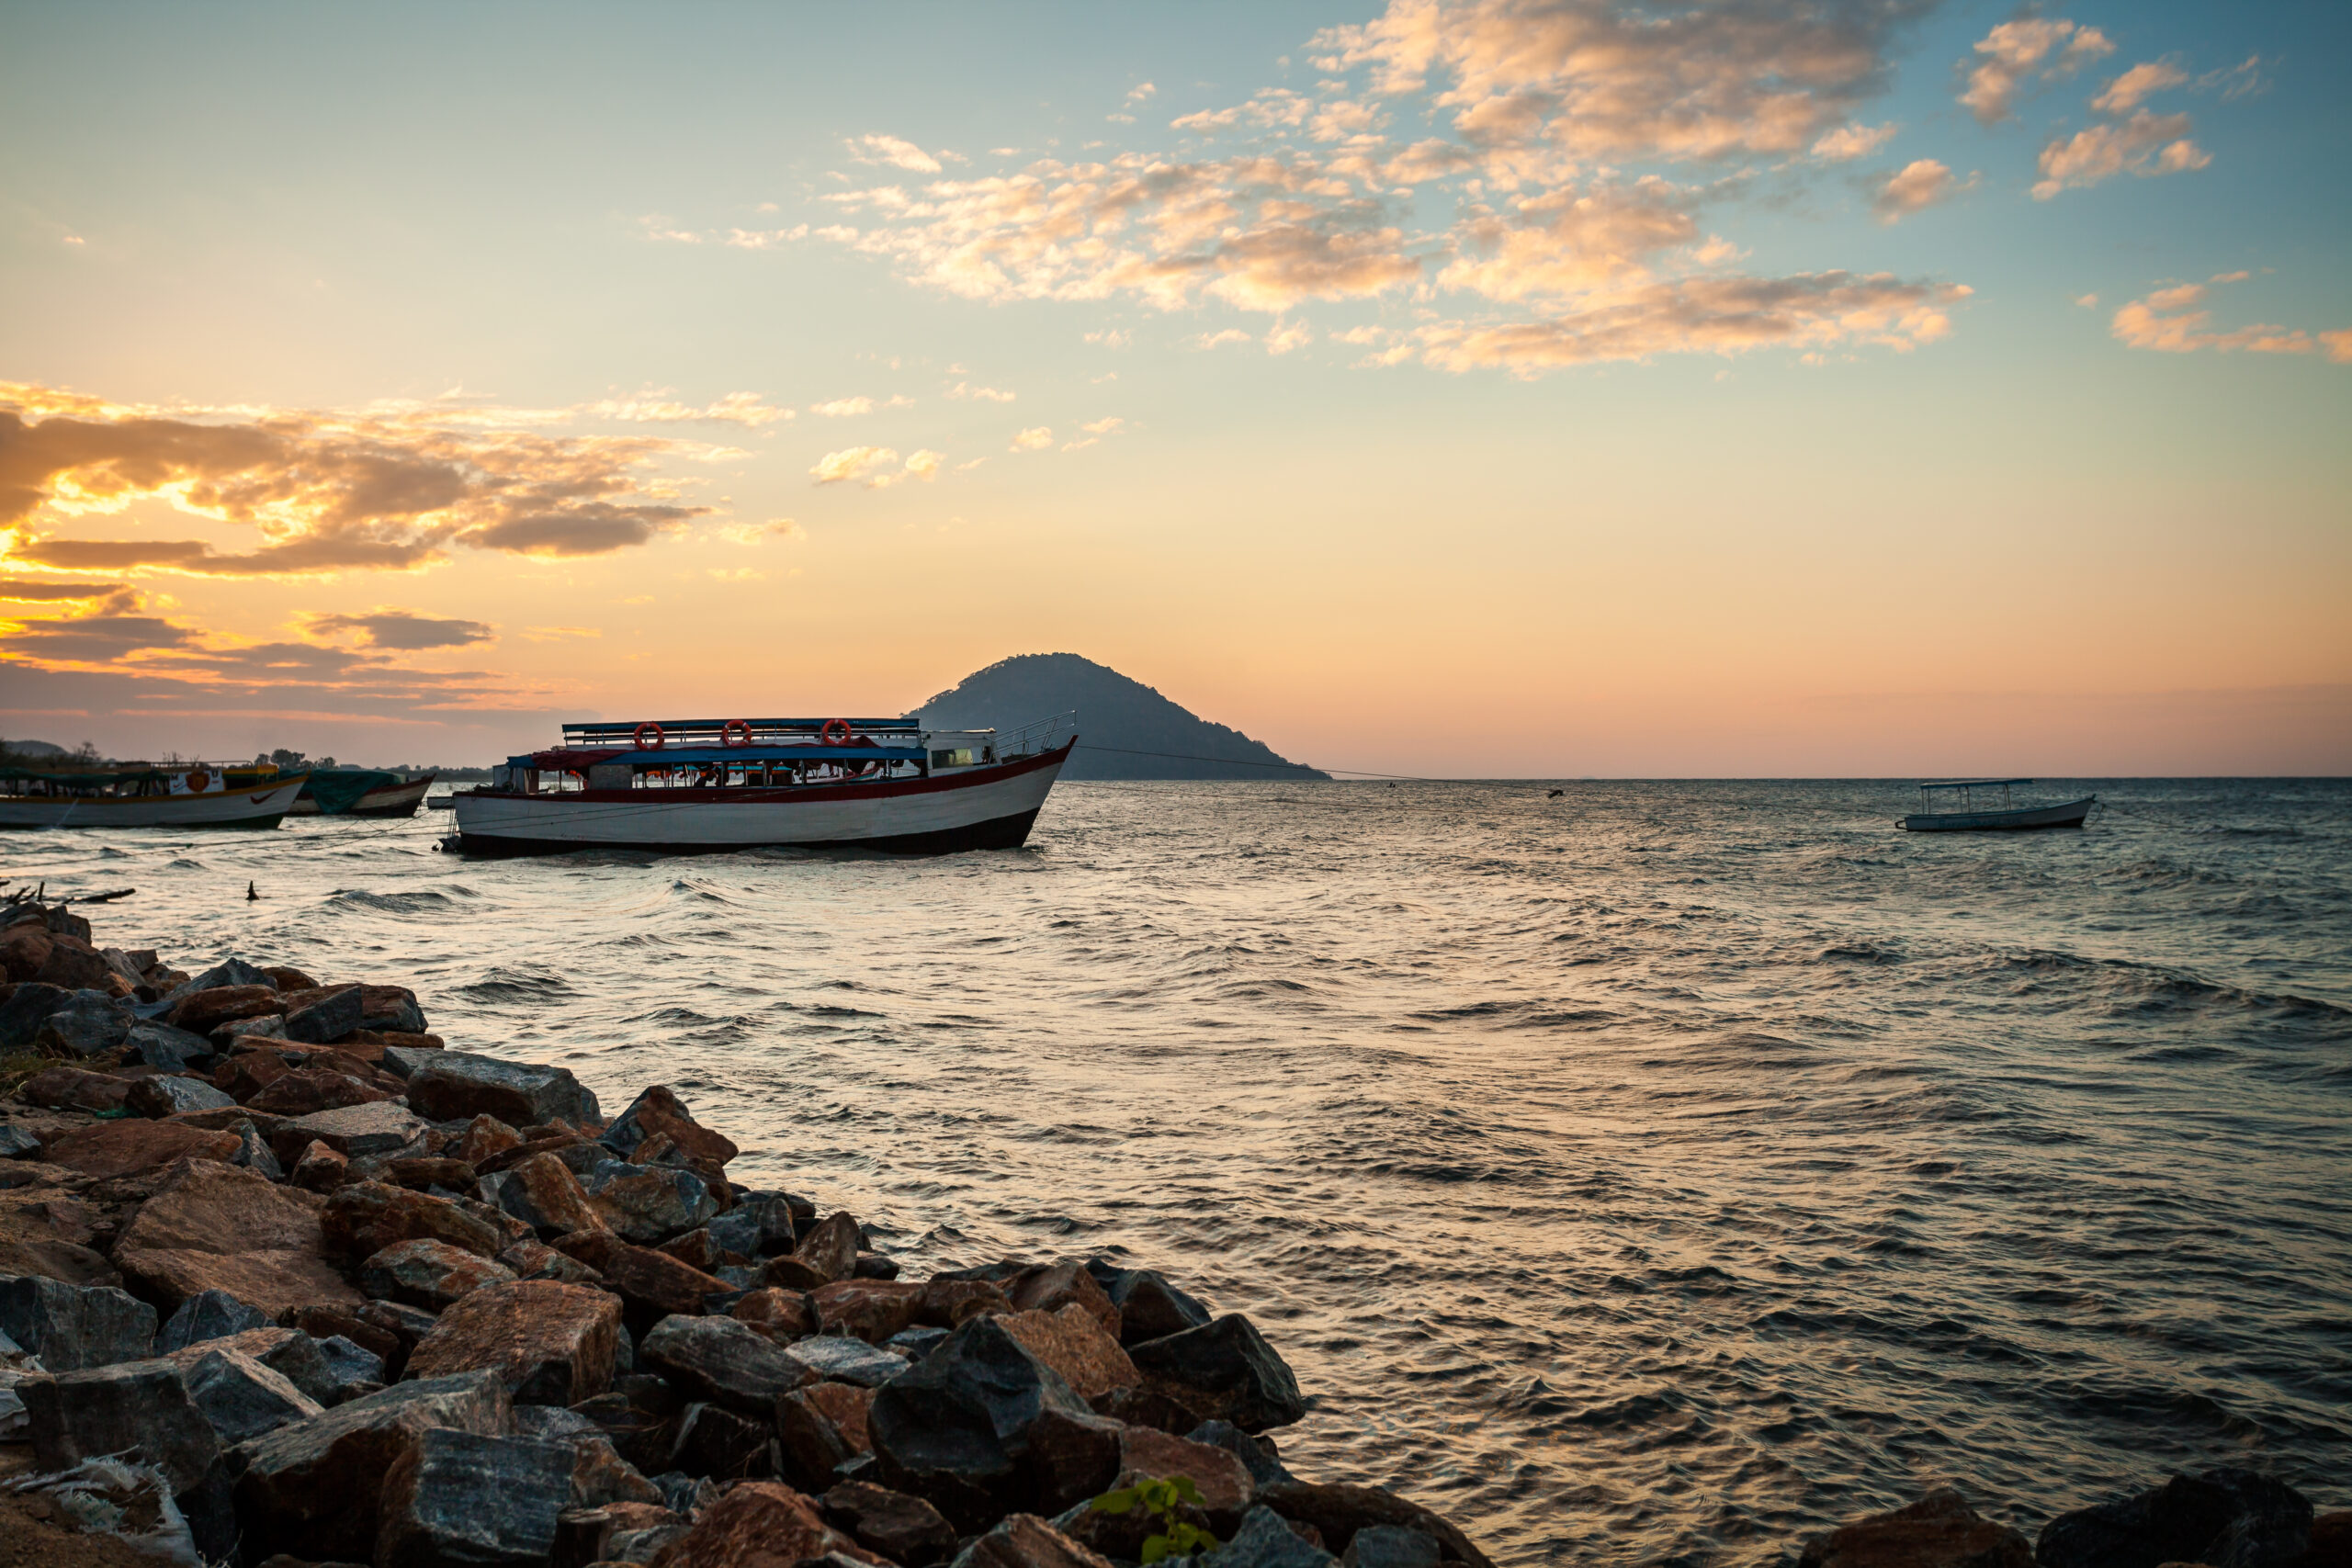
(1041, 736)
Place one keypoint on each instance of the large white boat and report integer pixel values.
(698, 787)
(194, 795)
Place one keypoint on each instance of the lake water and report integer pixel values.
(1652, 1174)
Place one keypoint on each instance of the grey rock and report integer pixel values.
(209, 1315)
(2228, 1519)
(168, 1094)
(240, 1398)
(349, 1366)
(63, 922)
(553, 1421)
(980, 1427)
(1223, 1371)
(647, 1205)
(464, 1500)
(171, 1050)
(684, 1495)
(1265, 1467)
(87, 1023)
(392, 1009)
(356, 1132)
(521, 1094)
(875, 1265)
(18, 1144)
(253, 1153)
(314, 1489)
(400, 1061)
(600, 1475)
(141, 1406)
(1150, 1307)
(721, 1359)
(327, 1019)
(624, 1352)
(1025, 1541)
(228, 972)
(914, 1344)
(844, 1360)
(1390, 1546)
(268, 1026)
(26, 1008)
(1264, 1540)
(71, 1327)
(715, 1442)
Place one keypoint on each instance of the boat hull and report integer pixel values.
(392, 800)
(2068, 814)
(989, 808)
(228, 808)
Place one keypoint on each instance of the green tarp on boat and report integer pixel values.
(337, 790)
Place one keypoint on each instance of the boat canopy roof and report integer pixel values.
(1971, 783)
(570, 759)
(713, 731)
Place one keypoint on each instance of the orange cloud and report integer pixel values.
(2017, 53)
(2171, 321)
(2102, 151)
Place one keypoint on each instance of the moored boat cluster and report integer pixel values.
(284, 1279)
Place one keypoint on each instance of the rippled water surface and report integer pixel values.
(1651, 1174)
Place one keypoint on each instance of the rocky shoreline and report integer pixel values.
(285, 1279)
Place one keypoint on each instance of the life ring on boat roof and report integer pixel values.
(637, 737)
(838, 732)
(732, 727)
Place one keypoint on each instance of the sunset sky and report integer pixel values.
(1512, 386)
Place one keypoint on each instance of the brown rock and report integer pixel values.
(44, 1234)
(783, 1316)
(1939, 1531)
(288, 980)
(550, 1343)
(829, 1250)
(758, 1524)
(221, 1227)
(871, 1310)
(75, 1089)
(529, 1148)
(540, 1191)
(427, 1273)
(75, 965)
(533, 1259)
(901, 1528)
(367, 1216)
(1049, 1287)
(325, 1323)
(1025, 1541)
(790, 1274)
(118, 1148)
(24, 948)
(1224, 1481)
(485, 1136)
(650, 1286)
(948, 1303)
(696, 1248)
(247, 1073)
(305, 1091)
(1337, 1512)
(200, 1012)
(318, 1168)
(659, 1112)
(417, 1175)
(1073, 1343)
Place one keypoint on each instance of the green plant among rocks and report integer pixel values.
(1160, 1500)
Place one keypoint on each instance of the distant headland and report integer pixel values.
(1126, 730)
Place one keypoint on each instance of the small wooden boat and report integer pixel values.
(360, 792)
(698, 786)
(192, 795)
(1969, 819)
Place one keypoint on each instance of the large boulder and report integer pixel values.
(1049, 1287)
(652, 1285)
(168, 1094)
(429, 1274)
(230, 971)
(548, 1342)
(1939, 1531)
(48, 1236)
(1223, 1371)
(362, 1218)
(161, 1047)
(460, 1498)
(25, 1009)
(820, 1429)
(2230, 1518)
(657, 1110)
(24, 948)
(981, 1427)
(782, 1315)
(140, 1405)
(722, 1444)
(542, 1193)
(458, 1085)
(199, 1012)
(212, 1226)
(1265, 1540)
(123, 1148)
(292, 1355)
(323, 1015)
(846, 1360)
(390, 1009)
(1150, 1307)
(314, 1488)
(1073, 1342)
(87, 1023)
(1337, 1512)
(724, 1361)
(1025, 1541)
(356, 1132)
(209, 1315)
(241, 1397)
(871, 1310)
(72, 1328)
(62, 1088)
(645, 1204)
(760, 1524)
(1224, 1484)
(74, 964)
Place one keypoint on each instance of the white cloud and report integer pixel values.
(1140, 91)
(2173, 321)
(1850, 141)
(1108, 426)
(853, 463)
(1920, 184)
(892, 150)
(1218, 339)
(1034, 439)
(2017, 53)
(2132, 89)
(844, 408)
(1284, 336)
(982, 394)
(2145, 144)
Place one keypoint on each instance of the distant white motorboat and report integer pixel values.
(1970, 819)
(698, 786)
(194, 795)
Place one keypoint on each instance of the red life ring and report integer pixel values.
(845, 736)
(638, 736)
(733, 727)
